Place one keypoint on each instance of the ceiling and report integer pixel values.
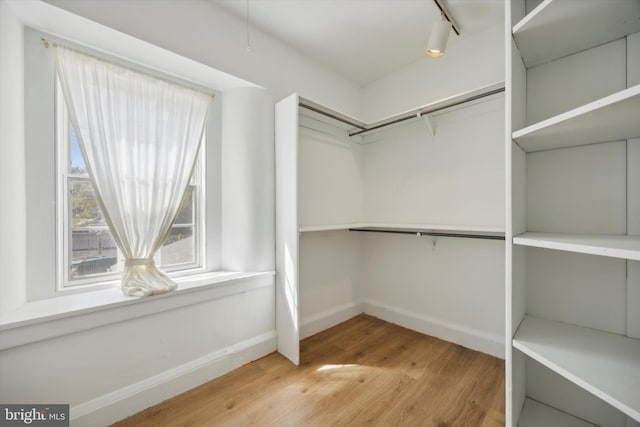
(362, 39)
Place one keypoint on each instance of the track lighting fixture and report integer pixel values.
(439, 37)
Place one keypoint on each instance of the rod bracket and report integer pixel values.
(434, 242)
(429, 120)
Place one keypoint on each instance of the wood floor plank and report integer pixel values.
(362, 372)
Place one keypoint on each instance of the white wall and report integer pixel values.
(331, 279)
(199, 30)
(113, 371)
(12, 161)
(470, 63)
(248, 180)
(455, 177)
(40, 169)
(455, 288)
(330, 174)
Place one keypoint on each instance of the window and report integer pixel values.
(89, 254)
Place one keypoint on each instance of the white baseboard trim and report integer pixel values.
(134, 398)
(448, 331)
(326, 319)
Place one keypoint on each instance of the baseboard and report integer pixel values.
(321, 321)
(448, 331)
(134, 398)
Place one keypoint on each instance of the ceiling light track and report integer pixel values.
(443, 11)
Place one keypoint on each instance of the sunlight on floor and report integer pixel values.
(331, 367)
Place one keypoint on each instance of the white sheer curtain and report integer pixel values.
(140, 137)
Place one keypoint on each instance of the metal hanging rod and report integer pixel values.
(430, 233)
(333, 116)
(429, 111)
(419, 113)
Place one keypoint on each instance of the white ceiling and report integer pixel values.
(362, 39)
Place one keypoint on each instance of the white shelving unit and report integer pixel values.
(598, 363)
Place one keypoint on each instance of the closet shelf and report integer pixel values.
(557, 28)
(610, 118)
(605, 364)
(615, 246)
(535, 414)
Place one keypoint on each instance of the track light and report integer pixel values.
(439, 37)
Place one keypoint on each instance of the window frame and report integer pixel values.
(64, 178)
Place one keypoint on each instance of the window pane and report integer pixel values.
(93, 252)
(84, 205)
(179, 247)
(187, 208)
(78, 165)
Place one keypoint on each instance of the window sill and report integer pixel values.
(44, 319)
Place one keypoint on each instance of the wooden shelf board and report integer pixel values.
(605, 364)
(557, 28)
(616, 246)
(610, 118)
(536, 414)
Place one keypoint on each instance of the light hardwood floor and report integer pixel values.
(364, 371)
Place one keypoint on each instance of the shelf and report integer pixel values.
(605, 364)
(615, 246)
(557, 28)
(610, 118)
(536, 414)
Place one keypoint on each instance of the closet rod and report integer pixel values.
(430, 110)
(324, 113)
(431, 233)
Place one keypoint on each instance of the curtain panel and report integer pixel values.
(140, 137)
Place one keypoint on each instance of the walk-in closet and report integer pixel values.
(402, 219)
